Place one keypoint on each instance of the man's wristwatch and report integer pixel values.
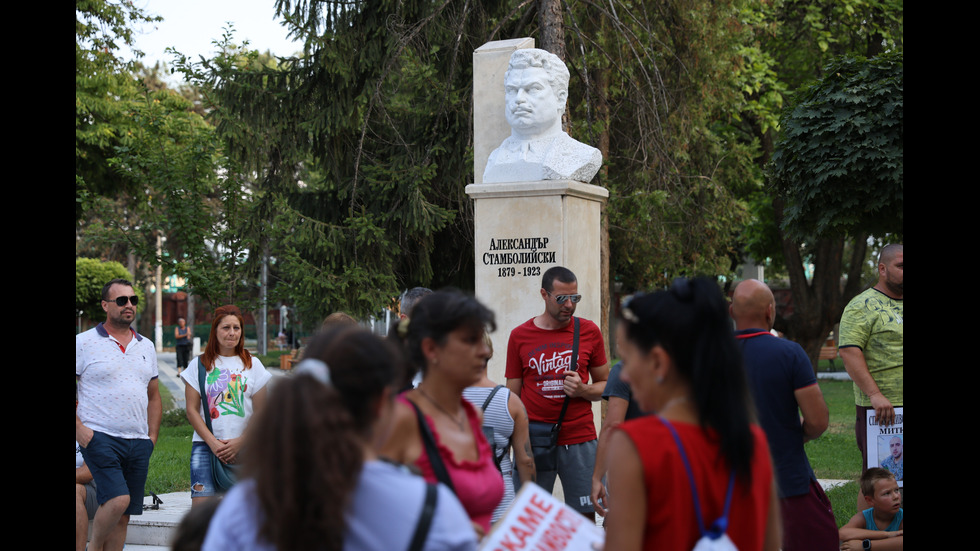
(866, 544)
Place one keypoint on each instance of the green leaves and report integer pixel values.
(840, 162)
(103, 85)
(90, 276)
(359, 149)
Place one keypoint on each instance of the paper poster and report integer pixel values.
(886, 445)
(537, 521)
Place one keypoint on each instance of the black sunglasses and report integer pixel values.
(121, 301)
(560, 299)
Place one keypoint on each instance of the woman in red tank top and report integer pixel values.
(680, 358)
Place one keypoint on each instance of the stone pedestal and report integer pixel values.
(522, 229)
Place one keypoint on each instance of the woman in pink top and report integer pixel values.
(444, 338)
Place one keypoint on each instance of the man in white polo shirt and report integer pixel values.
(119, 410)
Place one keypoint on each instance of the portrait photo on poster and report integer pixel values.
(888, 451)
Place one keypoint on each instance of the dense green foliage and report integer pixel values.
(148, 167)
(840, 159)
(90, 276)
(799, 39)
(796, 41)
(359, 149)
(102, 84)
(667, 88)
(174, 155)
(345, 164)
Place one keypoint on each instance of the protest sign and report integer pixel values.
(886, 445)
(537, 521)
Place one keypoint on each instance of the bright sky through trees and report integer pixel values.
(191, 25)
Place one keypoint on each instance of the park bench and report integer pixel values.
(830, 353)
(286, 361)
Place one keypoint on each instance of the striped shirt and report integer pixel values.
(497, 415)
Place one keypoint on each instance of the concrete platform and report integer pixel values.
(157, 526)
(154, 529)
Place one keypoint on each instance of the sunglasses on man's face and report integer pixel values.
(560, 299)
(121, 301)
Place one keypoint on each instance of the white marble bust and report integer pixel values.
(536, 87)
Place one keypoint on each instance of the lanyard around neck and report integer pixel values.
(750, 335)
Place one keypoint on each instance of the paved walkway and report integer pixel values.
(167, 364)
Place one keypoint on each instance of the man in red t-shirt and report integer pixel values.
(539, 370)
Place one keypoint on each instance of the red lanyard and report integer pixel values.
(750, 335)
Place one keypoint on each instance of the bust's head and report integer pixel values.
(535, 90)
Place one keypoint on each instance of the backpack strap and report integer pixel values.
(425, 518)
(488, 431)
(201, 369)
(574, 366)
(438, 466)
(487, 401)
(719, 526)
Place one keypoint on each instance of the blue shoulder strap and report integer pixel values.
(719, 526)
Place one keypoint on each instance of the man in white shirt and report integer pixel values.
(117, 420)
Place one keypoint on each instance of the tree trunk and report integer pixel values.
(552, 39)
(818, 303)
(552, 27)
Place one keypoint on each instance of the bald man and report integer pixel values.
(872, 344)
(783, 385)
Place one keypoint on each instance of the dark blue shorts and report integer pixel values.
(119, 467)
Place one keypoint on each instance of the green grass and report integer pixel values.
(835, 454)
(166, 397)
(170, 462)
(843, 499)
(826, 365)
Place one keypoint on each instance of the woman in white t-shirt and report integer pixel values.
(314, 479)
(235, 389)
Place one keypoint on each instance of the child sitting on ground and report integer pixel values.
(864, 530)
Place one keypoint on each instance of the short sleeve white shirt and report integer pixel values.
(229, 388)
(112, 382)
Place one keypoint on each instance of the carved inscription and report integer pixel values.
(520, 256)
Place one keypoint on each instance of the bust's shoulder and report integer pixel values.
(571, 159)
(569, 145)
